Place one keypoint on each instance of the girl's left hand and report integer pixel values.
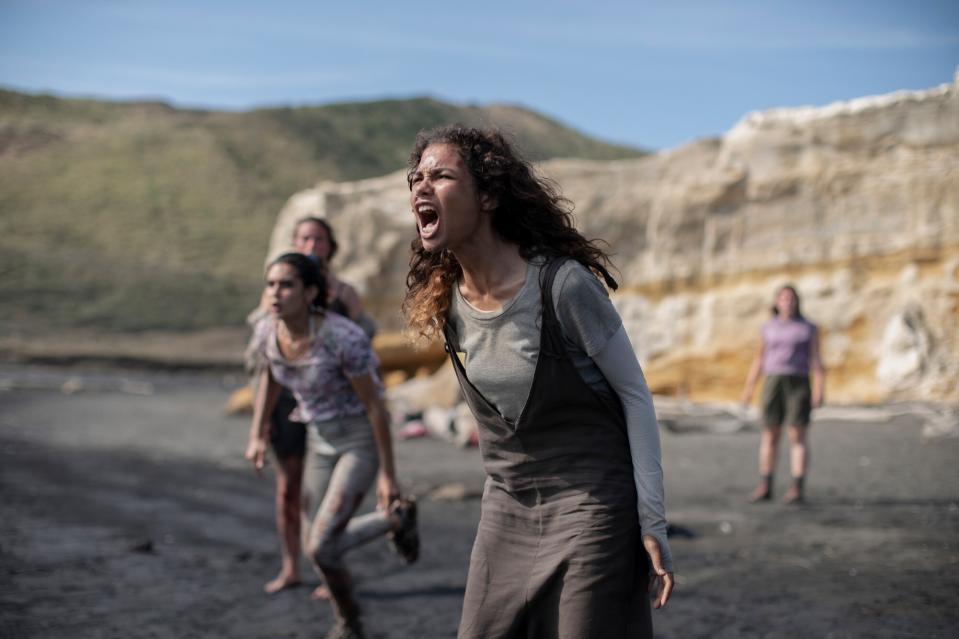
(387, 490)
(661, 584)
(256, 453)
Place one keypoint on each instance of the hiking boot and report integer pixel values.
(762, 492)
(794, 494)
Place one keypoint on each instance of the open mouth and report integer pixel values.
(427, 219)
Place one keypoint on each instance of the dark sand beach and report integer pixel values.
(128, 511)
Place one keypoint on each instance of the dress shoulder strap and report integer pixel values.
(546, 278)
(551, 342)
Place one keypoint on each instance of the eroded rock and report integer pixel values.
(856, 204)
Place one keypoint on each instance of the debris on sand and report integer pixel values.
(72, 384)
(454, 491)
(240, 402)
(677, 531)
(683, 416)
(144, 547)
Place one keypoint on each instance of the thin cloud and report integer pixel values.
(305, 29)
(626, 37)
(218, 79)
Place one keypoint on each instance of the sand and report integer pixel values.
(128, 511)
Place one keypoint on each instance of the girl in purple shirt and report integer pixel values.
(788, 354)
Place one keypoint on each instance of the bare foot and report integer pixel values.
(320, 593)
(281, 582)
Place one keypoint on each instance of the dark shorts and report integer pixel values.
(288, 439)
(786, 400)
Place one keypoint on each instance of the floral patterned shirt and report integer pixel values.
(320, 378)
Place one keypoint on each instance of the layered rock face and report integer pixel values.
(856, 204)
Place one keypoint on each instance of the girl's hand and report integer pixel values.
(816, 400)
(662, 584)
(387, 490)
(256, 453)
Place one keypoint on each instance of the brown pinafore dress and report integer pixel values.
(558, 552)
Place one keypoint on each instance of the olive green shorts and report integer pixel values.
(786, 399)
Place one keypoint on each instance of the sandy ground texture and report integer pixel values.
(127, 511)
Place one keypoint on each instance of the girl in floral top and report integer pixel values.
(327, 362)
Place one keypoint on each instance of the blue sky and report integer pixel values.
(651, 74)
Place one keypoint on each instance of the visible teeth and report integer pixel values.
(427, 217)
(427, 214)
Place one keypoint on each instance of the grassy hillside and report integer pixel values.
(130, 216)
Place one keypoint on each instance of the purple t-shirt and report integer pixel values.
(786, 346)
(320, 378)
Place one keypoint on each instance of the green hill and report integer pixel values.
(130, 216)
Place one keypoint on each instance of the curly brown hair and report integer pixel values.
(530, 212)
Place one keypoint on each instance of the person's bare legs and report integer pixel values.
(289, 475)
(799, 461)
(769, 449)
(768, 453)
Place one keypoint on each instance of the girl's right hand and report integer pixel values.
(256, 453)
(387, 491)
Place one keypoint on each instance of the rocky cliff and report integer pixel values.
(856, 203)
